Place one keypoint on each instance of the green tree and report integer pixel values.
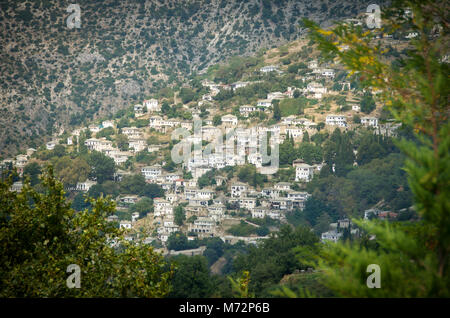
(305, 137)
(71, 171)
(165, 108)
(273, 258)
(322, 223)
(338, 152)
(105, 132)
(287, 151)
(103, 167)
(59, 151)
(122, 142)
(276, 112)
(135, 184)
(32, 170)
(416, 90)
(191, 278)
(41, 235)
(178, 241)
(367, 103)
(143, 206)
(187, 95)
(310, 153)
(179, 215)
(217, 120)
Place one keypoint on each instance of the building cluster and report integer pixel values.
(342, 229)
(205, 210)
(231, 143)
(229, 146)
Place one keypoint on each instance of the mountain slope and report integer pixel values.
(52, 76)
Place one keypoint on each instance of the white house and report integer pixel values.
(316, 88)
(155, 121)
(30, 151)
(171, 177)
(209, 133)
(137, 144)
(297, 195)
(124, 224)
(207, 97)
(313, 64)
(21, 161)
(328, 73)
(260, 212)
(244, 110)
(229, 120)
(108, 123)
(134, 217)
(129, 199)
(247, 203)
(206, 194)
(294, 132)
(280, 203)
(132, 132)
(268, 68)
(303, 171)
(274, 214)
(216, 211)
(255, 159)
(276, 95)
(151, 172)
(204, 226)
(186, 125)
(50, 145)
(119, 156)
(220, 180)
(94, 128)
(85, 186)
(190, 192)
(98, 144)
(369, 212)
(238, 188)
(288, 120)
(356, 108)
(166, 229)
(138, 109)
(162, 207)
(369, 121)
(152, 105)
(264, 103)
(237, 85)
(17, 186)
(336, 120)
(283, 186)
(411, 35)
(333, 236)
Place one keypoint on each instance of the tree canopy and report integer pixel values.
(41, 235)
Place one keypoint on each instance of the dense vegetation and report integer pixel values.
(361, 170)
(41, 235)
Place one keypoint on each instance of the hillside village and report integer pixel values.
(224, 149)
(53, 76)
(214, 192)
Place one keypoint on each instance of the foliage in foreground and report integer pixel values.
(414, 260)
(41, 235)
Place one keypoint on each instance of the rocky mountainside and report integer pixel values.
(53, 76)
